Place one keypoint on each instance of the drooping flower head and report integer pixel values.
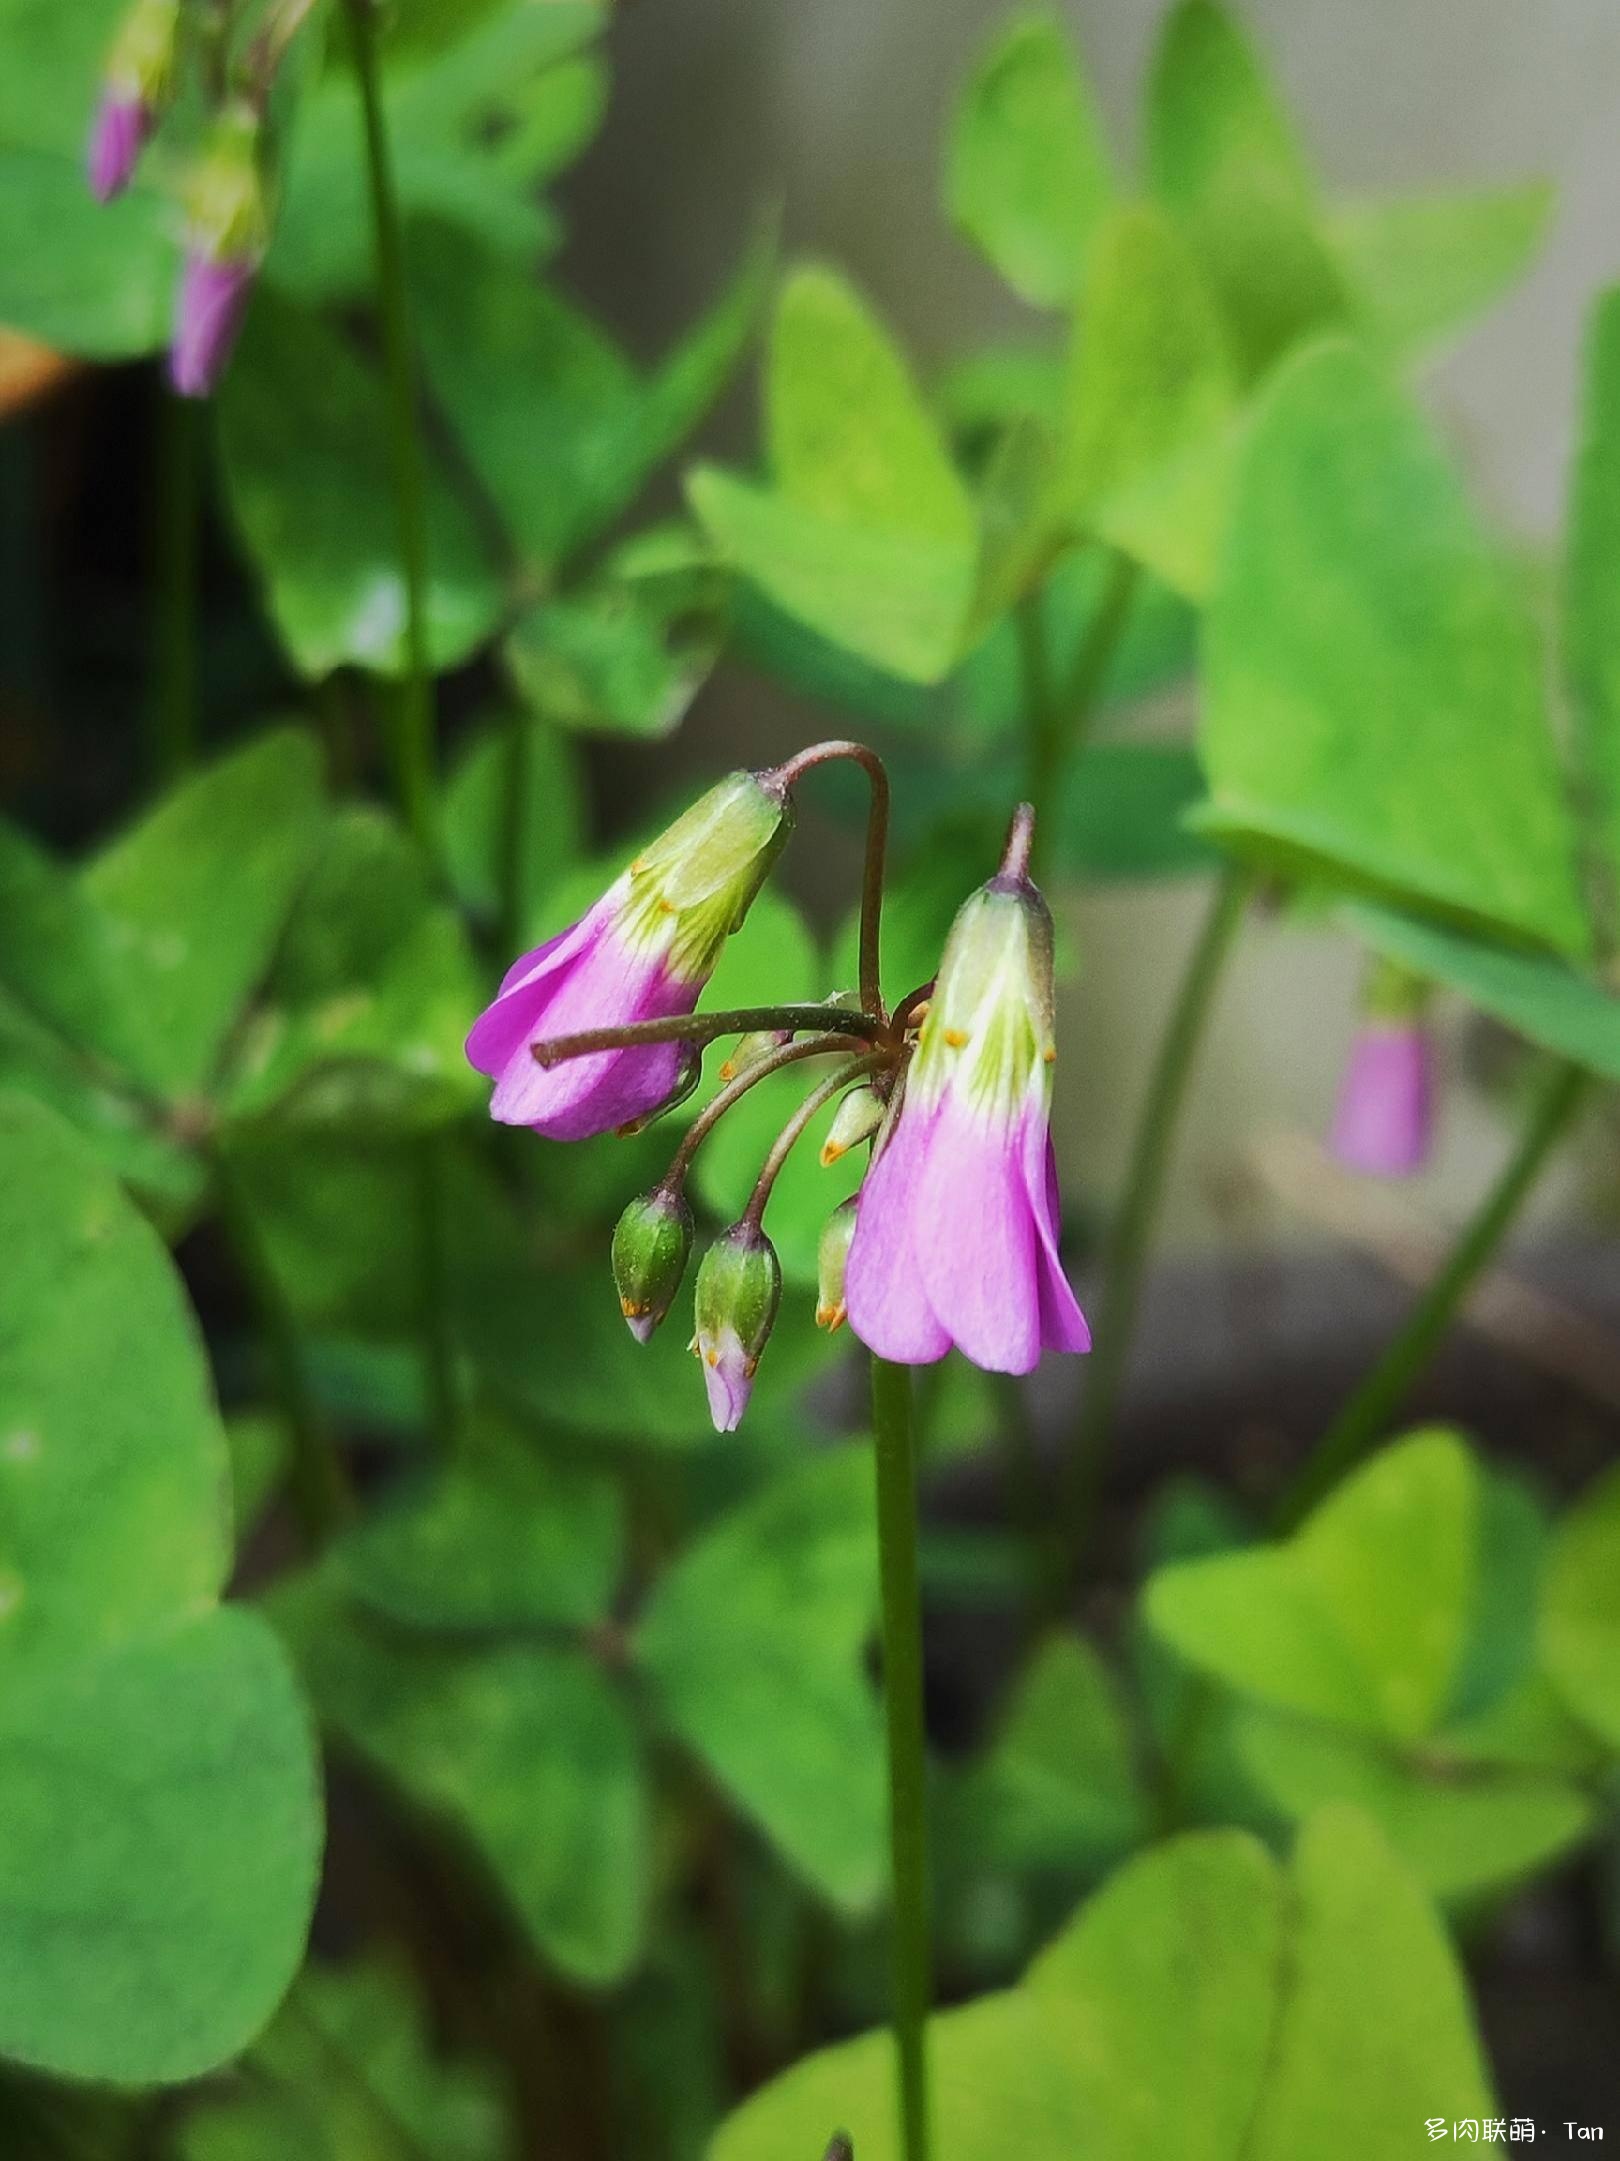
(956, 1234)
(227, 232)
(135, 90)
(643, 952)
(1384, 1124)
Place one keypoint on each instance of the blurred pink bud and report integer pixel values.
(122, 125)
(214, 293)
(1385, 1118)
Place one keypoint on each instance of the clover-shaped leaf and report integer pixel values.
(156, 1773)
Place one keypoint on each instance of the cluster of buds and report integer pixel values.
(225, 195)
(952, 1240)
(1384, 1124)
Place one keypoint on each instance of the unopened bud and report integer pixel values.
(136, 89)
(739, 1287)
(857, 1119)
(752, 1048)
(227, 232)
(832, 1258)
(651, 1243)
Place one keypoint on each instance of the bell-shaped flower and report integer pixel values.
(1384, 1123)
(956, 1233)
(643, 952)
(227, 232)
(136, 88)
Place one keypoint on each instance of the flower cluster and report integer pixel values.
(952, 1240)
(224, 187)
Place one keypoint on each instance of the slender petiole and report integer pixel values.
(877, 842)
(705, 1028)
(785, 1142)
(818, 1046)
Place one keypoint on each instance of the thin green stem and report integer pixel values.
(791, 1134)
(175, 504)
(877, 842)
(515, 836)
(895, 1451)
(411, 715)
(318, 1483)
(1366, 1417)
(786, 1054)
(1130, 1238)
(1057, 717)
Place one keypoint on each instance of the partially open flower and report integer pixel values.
(1384, 1124)
(739, 1288)
(135, 90)
(643, 952)
(651, 1244)
(956, 1237)
(227, 232)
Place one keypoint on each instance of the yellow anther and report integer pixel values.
(832, 1318)
(1050, 1054)
(955, 1037)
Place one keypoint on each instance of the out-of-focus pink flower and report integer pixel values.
(136, 89)
(956, 1233)
(643, 952)
(122, 125)
(1385, 1119)
(208, 315)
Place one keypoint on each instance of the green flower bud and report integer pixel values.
(651, 1243)
(739, 1287)
(227, 211)
(857, 1119)
(832, 1258)
(752, 1048)
(689, 889)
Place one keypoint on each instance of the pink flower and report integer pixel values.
(1385, 1118)
(956, 1233)
(213, 299)
(643, 952)
(122, 125)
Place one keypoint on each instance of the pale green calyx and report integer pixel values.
(1392, 995)
(141, 63)
(227, 213)
(989, 1026)
(739, 1287)
(690, 888)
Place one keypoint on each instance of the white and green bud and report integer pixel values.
(989, 1031)
(141, 60)
(832, 1259)
(652, 1242)
(857, 1118)
(690, 888)
(739, 1287)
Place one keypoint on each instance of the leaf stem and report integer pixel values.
(1057, 718)
(1130, 1236)
(895, 1452)
(411, 729)
(173, 705)
(1366, 1416)
(317, 1480)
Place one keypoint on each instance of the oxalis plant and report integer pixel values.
(951, 1241)
(606, 1761)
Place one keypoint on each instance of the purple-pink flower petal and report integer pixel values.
(729, 1381)
(883, 1287)
(1063, 1325)
(975, 1240)
(117, 139)
(214, 294)
(1384, 1123)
